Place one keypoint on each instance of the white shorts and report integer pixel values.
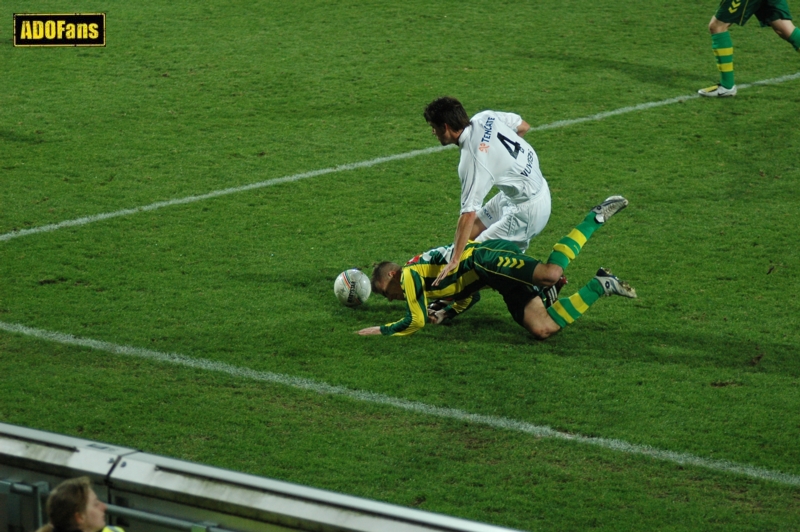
(517, 223)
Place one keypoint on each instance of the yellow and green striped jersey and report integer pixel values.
(495, 263)
(417, 279)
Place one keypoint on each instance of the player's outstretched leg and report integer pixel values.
(568, 247)
(786, 30)
(567, 310)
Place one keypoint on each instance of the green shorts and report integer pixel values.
(501, 265)
(766, 11)
(517, 301)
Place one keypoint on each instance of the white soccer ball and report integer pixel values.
(352, 287)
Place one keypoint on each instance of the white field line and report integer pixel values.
(538, 431)
(217, 193)
(650, 105)
(352, 166)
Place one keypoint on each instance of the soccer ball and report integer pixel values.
(352, 287)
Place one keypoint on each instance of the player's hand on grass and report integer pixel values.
(369, 331)
(445, 271)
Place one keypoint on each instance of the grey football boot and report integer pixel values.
(611, 206)
(613, 285)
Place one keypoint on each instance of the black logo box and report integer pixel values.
(73, 29)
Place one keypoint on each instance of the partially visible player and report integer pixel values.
(498, 264)
(493, 153)
(774, 13)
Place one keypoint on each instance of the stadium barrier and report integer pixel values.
(146, 492)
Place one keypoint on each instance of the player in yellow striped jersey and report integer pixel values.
(500, 265)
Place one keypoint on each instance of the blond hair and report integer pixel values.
(381, 272)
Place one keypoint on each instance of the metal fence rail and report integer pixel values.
(160, 520)
(153, 493)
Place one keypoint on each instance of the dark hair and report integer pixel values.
(381, 271)
(446, 110)
(67, 499)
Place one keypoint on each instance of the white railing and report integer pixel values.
(153, 493)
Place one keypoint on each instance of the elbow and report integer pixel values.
(416, 325)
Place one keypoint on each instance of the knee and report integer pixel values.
(551, 274)
(540, 332)
(540, 324)
(716, 26)
(537, 322)
(784, 31)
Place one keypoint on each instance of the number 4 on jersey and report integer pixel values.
(509, 144)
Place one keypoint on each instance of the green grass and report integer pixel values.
(190, 98)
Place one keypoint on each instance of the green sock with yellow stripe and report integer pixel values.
(565, 311)
(722, 45)
(568, 247)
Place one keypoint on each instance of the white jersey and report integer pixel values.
(493, 154)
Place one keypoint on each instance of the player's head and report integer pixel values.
(386, 280)
(73, 505)
(443, 114)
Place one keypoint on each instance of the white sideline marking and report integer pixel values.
(352, 166)
(217, 193)
(412, 406)
(650, 105)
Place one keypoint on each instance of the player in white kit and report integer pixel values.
(493, 153)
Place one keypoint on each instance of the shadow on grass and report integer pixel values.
(691, 349)
(607, 341)
(707, 350)
(650, 74)
(27, 138)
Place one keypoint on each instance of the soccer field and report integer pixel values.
(174, 208)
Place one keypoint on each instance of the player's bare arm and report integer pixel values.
(463, 233)
(523, 128)
(434, 316)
